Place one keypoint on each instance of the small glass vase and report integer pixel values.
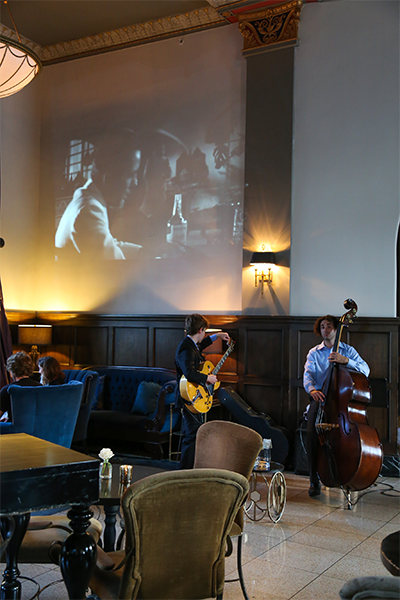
(105, 470)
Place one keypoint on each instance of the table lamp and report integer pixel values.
(34, 335)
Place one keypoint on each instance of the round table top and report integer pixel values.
(274, 468)
(111, 490)
(390, 551)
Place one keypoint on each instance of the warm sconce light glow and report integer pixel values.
(264, 261)
(34, 335)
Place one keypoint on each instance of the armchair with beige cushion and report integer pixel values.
(227, 445)
(177, 524)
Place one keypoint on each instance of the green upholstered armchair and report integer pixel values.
(176, 529)
(227, 445)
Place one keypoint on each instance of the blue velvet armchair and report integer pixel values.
(90, 380)
(48, 412)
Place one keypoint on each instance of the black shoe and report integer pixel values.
(315, 490)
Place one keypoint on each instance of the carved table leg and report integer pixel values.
(13, 529)
(78, 554)
(109, 529)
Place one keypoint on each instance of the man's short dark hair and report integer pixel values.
(330, 318)
(113, 153)
(195, 322)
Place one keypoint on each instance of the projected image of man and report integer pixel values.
(84, 228)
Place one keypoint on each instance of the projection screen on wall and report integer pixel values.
(147, 152)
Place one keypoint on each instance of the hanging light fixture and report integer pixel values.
(18, 63)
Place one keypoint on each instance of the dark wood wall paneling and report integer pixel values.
(265, 367)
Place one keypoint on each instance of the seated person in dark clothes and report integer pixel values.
(20, 367)
(50, 371)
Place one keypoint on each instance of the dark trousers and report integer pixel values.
(312, 441)
(190, 424)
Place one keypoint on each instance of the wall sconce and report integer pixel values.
(34, 335)
(263, 260)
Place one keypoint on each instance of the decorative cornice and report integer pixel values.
(125, 37)
(270, 28)
(218, 3)
(142, 33)
(174, 26)
(12, 35)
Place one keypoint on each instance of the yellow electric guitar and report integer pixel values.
(201, 396)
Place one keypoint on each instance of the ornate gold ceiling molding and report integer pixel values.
(142, 33)
(270, 28)
(219, 3)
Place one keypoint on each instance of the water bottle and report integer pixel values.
(263, 461)
(177, 225)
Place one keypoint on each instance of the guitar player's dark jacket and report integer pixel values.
(187, 360)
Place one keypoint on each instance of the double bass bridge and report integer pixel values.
(327, 426)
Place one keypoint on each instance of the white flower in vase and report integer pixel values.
(106, 454)
(106, 468)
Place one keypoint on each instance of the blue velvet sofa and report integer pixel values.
(133, 405)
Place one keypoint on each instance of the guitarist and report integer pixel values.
(187, 361)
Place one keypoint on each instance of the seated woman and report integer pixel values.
(50, 371)
(20, 367)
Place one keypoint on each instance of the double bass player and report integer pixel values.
(316, 368)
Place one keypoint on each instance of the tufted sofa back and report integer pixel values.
(89, 380)
(121, 384)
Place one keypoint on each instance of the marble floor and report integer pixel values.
(310, 553)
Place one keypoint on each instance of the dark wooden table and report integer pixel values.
(390, 553)
(111, 491)
(36, 475)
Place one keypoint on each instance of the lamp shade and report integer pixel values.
(258, 258)
(39, 335)
(18, 66)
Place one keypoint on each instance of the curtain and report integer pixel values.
(5, 342)
(5, 334)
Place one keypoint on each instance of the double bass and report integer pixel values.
(350, 452)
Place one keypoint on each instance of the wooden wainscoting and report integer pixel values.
(265, 367)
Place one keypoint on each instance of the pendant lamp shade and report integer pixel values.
(18, 66)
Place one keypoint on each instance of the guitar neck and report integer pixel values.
(223, 359)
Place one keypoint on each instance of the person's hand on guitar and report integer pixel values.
(212, 379)
(224, 336)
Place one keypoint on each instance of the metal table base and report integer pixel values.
(256, 508)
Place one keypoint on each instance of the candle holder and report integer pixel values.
(125, 474)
